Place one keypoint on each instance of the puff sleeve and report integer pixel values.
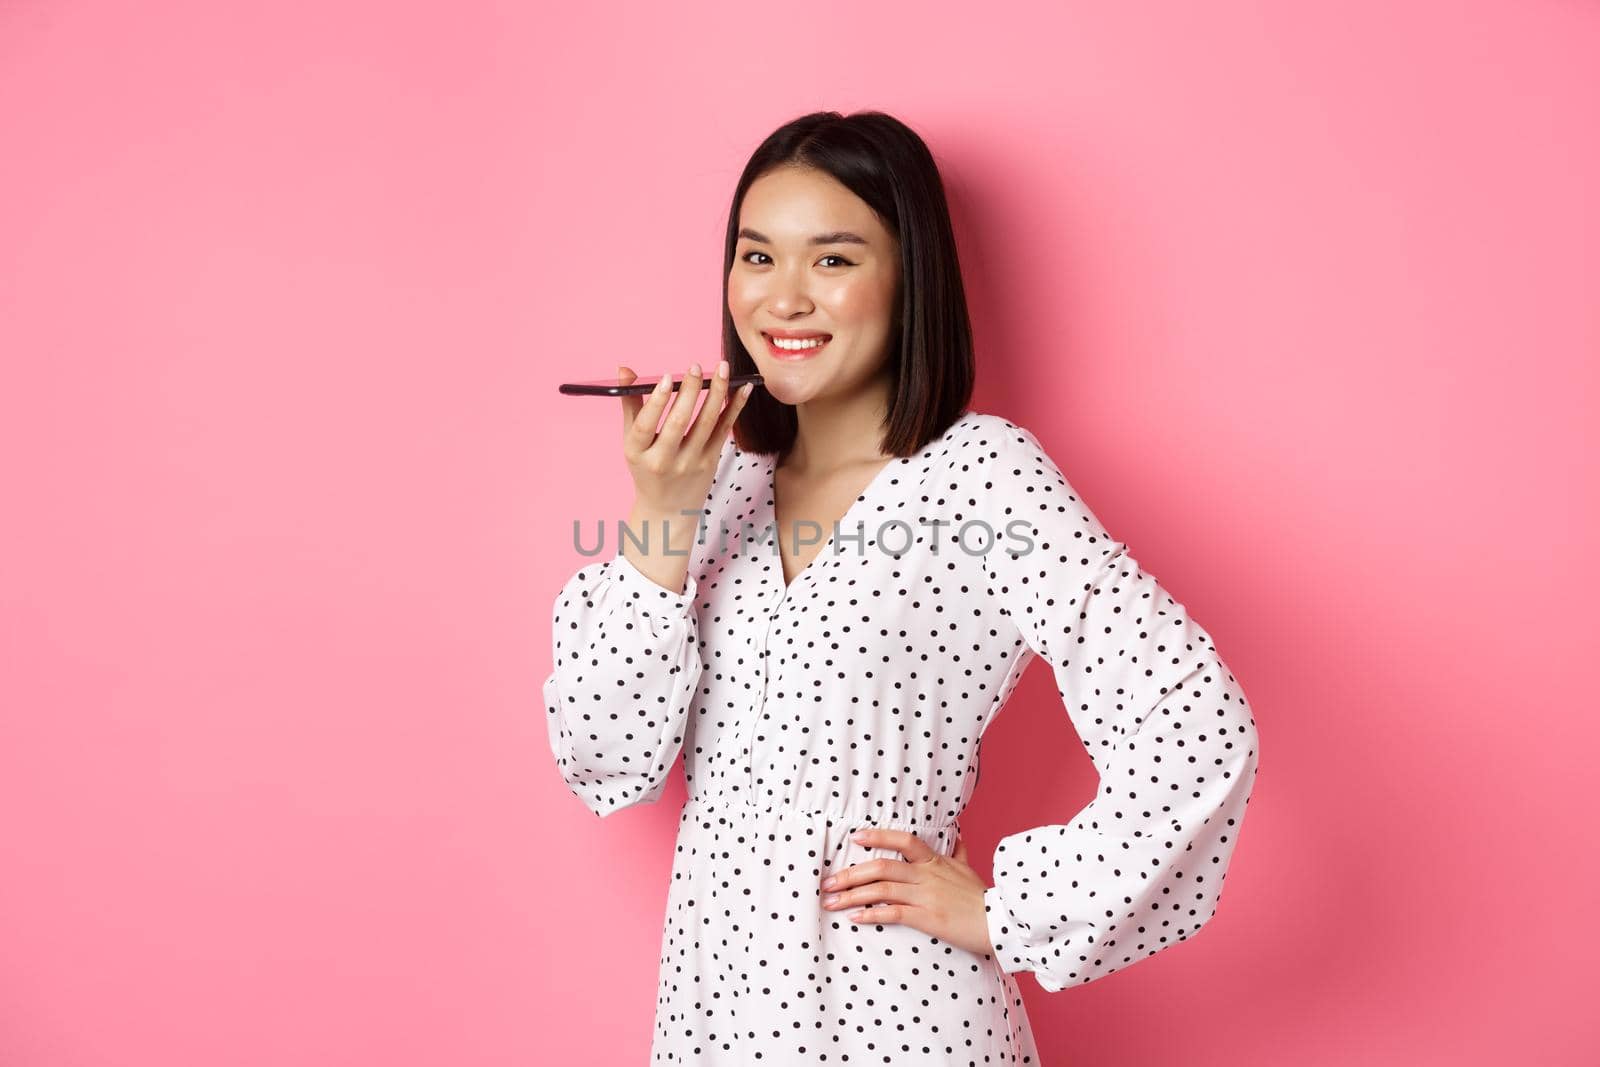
(1166, 725)
(626, 665)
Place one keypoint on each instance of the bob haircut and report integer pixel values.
(882, 161)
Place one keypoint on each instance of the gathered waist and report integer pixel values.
(851, 818)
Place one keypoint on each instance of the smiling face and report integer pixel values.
(812, 259)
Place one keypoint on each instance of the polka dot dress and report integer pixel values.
(856, 696)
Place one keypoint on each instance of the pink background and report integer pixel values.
(1300, 296)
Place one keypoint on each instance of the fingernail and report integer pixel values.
(694, 368)
(831, 898)
(722, 368)
(830, 882)
(859, 836)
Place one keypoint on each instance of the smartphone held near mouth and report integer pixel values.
(647, 384)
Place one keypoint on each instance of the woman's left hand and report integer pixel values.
(937, 894)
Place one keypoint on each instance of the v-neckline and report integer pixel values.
(772, 507)
(785, 586)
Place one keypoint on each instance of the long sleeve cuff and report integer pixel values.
(1005, 933)
(653, 599)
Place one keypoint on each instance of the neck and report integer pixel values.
(835, 432)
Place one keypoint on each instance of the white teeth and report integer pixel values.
(797, 346)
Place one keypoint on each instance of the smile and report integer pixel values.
(803, 348)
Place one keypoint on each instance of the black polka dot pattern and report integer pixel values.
(856, 696)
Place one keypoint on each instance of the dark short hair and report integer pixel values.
(884, 162)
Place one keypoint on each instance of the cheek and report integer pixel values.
(743, 297)
(861, 304)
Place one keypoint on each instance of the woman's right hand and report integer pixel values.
(672, 470)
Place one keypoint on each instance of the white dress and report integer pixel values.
(857, 697)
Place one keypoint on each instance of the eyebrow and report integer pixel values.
(838, 237)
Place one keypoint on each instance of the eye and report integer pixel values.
(831, 255)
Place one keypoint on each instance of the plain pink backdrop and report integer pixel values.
(1300, 296)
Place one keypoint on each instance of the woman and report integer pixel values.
(872, 567)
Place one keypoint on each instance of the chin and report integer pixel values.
(785, 392)
(793, 385)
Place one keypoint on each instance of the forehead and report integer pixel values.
(791, 204)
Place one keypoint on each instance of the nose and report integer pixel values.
(788, 295)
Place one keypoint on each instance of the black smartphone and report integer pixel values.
(646, 384)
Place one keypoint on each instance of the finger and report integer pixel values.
(907, 844)
(730, 414)
(876, 893)
(678, 418)
(882, 913)
(710, 410)
(642, 431)
(879, 870)
(630, 404)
